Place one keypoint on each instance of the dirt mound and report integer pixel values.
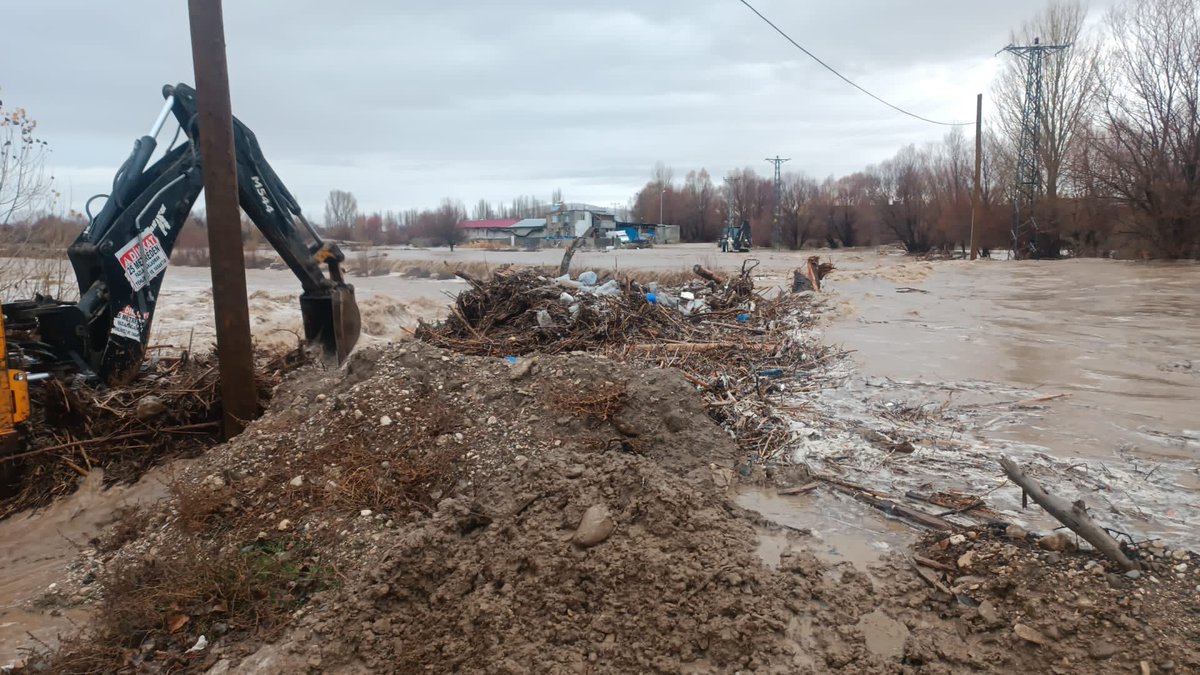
(514, 578)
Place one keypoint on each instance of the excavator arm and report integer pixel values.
(121, 257)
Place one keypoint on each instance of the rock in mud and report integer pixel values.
(1059, 541)
(595, 526)
(149, 407)
(520, 369)
(1016, 532)
(1101, 650)
(987, 612)
(1030, 634)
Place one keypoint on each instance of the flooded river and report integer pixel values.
(1088, 368)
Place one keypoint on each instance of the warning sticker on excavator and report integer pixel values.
(142, 259)
(128, 323)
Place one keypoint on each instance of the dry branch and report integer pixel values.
(1073, 515)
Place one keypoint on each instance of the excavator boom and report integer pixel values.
(121, 257)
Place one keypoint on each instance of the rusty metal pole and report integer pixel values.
(239, 400)
(977, 196)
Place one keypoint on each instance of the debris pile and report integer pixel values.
(742, 349)
(173, 409)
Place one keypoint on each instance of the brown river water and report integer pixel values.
(1086, 370)
(1121, 338)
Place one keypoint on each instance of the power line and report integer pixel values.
(845, 79)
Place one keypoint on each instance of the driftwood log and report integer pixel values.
(565, 266)
(707, 274)
(1073, 515)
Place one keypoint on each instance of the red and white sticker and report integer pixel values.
(142, 259)
(128, 323)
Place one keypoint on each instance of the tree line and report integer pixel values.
(1118, 156)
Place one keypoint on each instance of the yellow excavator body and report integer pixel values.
(14, 396)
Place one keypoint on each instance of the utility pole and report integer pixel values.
(1029, 171)
(777, 227)
(731, 187)
(235, 358)
(978, 194)
(661, 194)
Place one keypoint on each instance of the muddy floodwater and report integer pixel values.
(1104, 356)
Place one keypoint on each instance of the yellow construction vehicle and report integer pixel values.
(14, 398)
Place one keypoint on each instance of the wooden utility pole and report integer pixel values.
(239, 399)
(978, 194)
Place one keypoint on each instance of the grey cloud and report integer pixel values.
(406, 102)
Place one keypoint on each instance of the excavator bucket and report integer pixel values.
(331, 319)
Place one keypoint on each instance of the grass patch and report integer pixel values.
(156, 608)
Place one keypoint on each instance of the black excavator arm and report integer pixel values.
(121, 256)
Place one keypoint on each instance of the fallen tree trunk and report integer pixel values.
(1073, 515)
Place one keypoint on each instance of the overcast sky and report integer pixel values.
(403, 102)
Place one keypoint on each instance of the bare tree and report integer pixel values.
(901, 197)
(446, 230)
(1151, 140)
(798, 210)
(24, 186)
(341, 211)
(663, 175)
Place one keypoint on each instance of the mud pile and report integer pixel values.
(424, 511)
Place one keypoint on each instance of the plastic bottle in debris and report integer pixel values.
(610, 287)
(587, 278)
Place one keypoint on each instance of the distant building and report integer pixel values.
(513, 231)
(568, 221)
(488, 230)
(654, 233)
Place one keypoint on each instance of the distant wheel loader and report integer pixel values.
(736, 239)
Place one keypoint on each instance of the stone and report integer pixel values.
(492, 420)
(365, 513)
(1101, 650)
(966, 560)
(385, 421)
(298, 481)
(149, 407)
(957, 539)
(1016, 532)
(284, 525)
(520, 369)
(987, 612)
(596, 526)
(573, 471)
(1058, 541)
(1029, 634)
(1133, 574)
